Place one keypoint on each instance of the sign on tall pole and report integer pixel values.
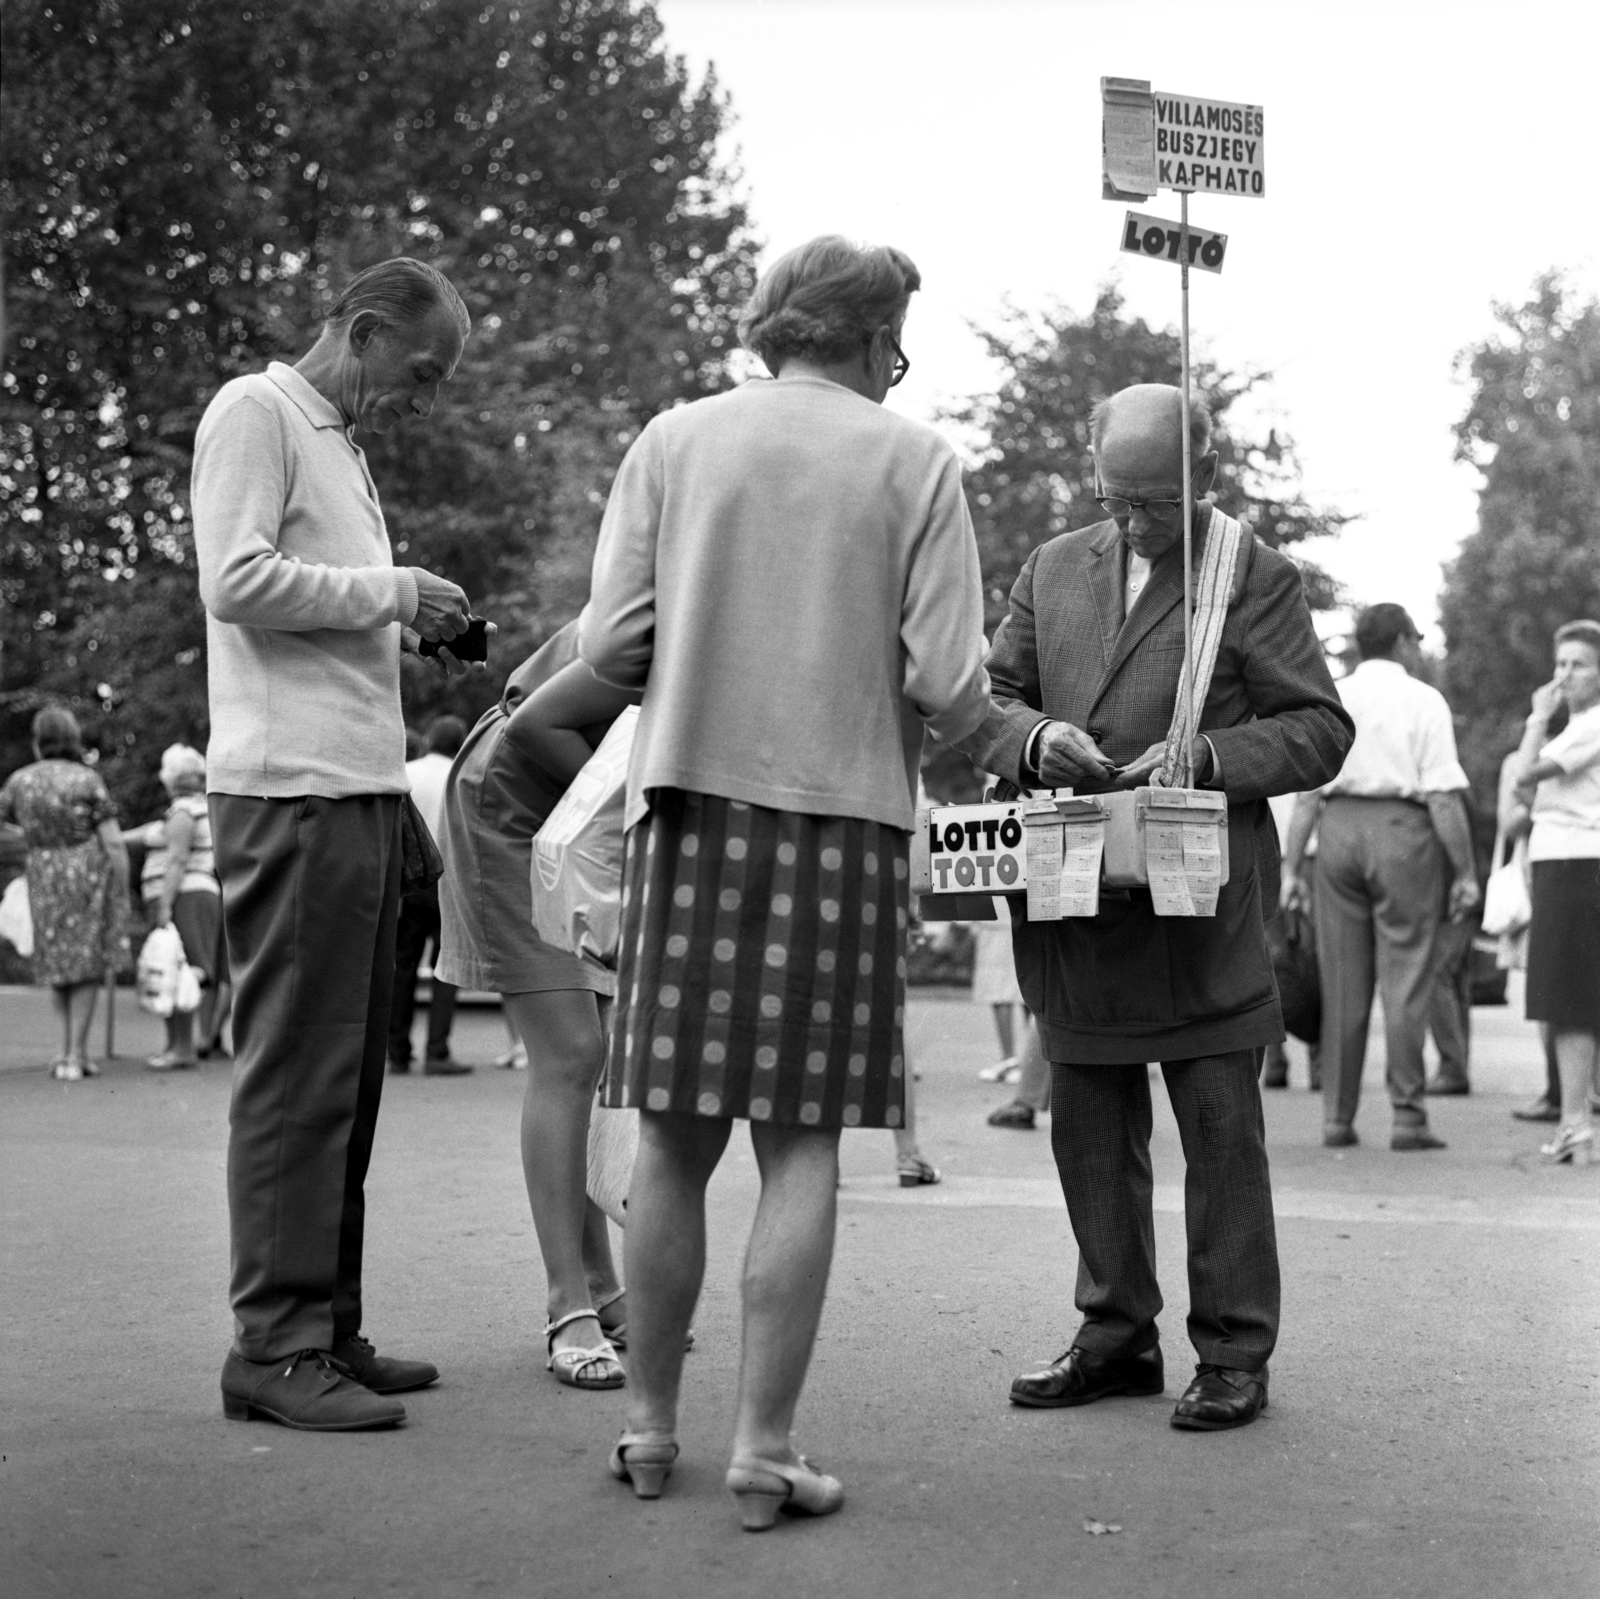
(1153, 140)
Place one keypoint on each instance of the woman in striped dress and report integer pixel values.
(788, 573)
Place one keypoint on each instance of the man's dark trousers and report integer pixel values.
(310, 891)
(1100, 1134)
(419, 923)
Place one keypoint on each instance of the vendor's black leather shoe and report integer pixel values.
(1221, 1397)
(305, 1390)
(383, 1374)
(1079, 1377)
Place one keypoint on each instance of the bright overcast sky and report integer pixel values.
(1423, 160)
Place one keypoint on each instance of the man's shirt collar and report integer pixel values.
(319, 411)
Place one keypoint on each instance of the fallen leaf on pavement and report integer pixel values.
(1095, 1528)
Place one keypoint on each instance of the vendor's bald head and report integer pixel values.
(1137, 436)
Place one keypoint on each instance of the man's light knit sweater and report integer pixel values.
(303, 600)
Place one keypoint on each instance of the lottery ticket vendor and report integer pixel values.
(1085, 671)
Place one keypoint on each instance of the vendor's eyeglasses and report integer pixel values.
(1156, 510)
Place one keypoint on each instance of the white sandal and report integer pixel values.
(571, 1365)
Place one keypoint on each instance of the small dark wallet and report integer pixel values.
(421, 865)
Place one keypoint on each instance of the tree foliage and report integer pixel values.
(1532, 427)
(1035, 475)
(185, 183)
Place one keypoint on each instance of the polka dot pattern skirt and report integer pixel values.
(762, 965)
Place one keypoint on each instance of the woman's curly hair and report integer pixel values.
(825, 299)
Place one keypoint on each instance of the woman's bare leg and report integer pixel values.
(1005, 1026)
(785, 1281)
(1575, 1057)
(561, 1032)
(664, 1247)
(80, 1013)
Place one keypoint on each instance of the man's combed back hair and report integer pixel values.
(1583, 630)
(1199, 424)
(824, 300)
(402, 291)
(1380, 627)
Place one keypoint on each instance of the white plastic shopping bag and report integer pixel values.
(167, 982)
(577, 854)
(16, 919)
(613, 1143)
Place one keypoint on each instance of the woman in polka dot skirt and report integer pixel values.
(788, 573)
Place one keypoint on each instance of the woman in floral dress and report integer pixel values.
(77, 877)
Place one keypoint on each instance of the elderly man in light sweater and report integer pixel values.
(306, 619)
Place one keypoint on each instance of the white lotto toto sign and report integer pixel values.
(1209, 146)
(976, 849)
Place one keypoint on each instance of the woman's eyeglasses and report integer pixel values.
(902, 362)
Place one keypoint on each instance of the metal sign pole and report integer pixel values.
(1185, 764)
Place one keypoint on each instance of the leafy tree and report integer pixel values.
(1532, 427)
(185, 183)
(1035, 474)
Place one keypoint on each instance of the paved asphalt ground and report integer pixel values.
(1435, 1398)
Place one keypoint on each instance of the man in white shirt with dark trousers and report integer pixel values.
(1389, 824)
(306, 613)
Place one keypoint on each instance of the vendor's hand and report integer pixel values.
(1546, 700)
(1464, 897)
(442, 609)
(1294, 893)
(1067, 755)
(1137, 773)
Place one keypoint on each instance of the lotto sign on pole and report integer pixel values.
(1168, 241)
(1209, 146)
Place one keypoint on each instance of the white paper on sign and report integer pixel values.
(1042, 842)
(1083, 845)
(1127, 138)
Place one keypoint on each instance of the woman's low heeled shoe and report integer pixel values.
(644, 1459)
(595, 1367)
(1573, 1145)
(764, 1487)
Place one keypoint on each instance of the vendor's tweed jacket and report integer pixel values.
(1178, 987)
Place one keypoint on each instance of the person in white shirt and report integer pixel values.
(1385, 826)
(1560, 781)
(419, 919)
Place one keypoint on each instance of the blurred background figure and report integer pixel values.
(1292, 941)
(1450, 1004)
(1033, 1083)
(418, 925)
(77, 878)
(1560, 784)
(1386, 826)
(994, 983)
(178, 883)
(1512, 820)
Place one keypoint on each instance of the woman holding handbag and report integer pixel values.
(506, 779)
(1560, 783)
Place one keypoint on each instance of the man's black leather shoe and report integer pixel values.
(382, 1374)
(1221, 1397)
(1079, 1377)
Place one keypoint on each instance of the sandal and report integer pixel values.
(915, 1172)
(644, 1459)
(764, 1487)
(65, 1070)
(169, 1060)
(572, 1366)
(619, 1333)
